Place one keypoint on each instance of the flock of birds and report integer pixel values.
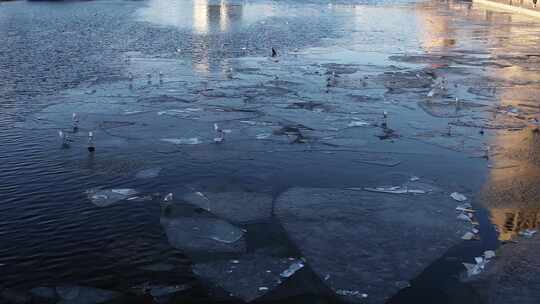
(331, 81)
(67, 140)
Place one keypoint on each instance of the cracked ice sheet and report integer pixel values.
(192, 229)
(84, 295)
(382, 238)
(248, 277)
(234, 206)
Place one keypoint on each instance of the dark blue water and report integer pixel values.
(62, 57)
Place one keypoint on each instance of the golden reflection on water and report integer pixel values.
(212, 18)
(512, 190)
(220, 17)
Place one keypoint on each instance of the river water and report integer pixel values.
(150, 79)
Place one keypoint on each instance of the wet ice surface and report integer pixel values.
(379, 239)
(151, 79)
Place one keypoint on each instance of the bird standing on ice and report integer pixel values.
(65, 139)
(220, 135)
(91, 147)
(75, 121)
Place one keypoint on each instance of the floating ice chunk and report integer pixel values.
(168, 197)
(322, 212)
(186, 231)
(249, 277)
(489, 254)
(458, 196)
(236, 206)
(125, 191)
(468, 236)
(191, 228)
(148, 173)
(358, 124)
(395, 190)
(183, 141)
(414, 178)
(249, 122)
(292, 269)
(160, 291)
(464, 206)
(463, 217)
(472, 269)
(179, 112)
(475, 269)
(107, 197)
(528, 232)
(463, 209)
(84, 295)
(351, 293)
(132, 112)
(263, 135)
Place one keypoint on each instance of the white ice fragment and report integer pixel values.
(179, 112)
(458, 196)
(168, 197)
(468, 236)
(489, 254)
(263, 288)
(263, 135)
(358, 124)
(148, 173)
(472, 269)
(463, 217)
(183, 141)
(132, 112)
(414, 178)
(294, 267)
(431, 93)
(394, 190)
(464, 206)
(354, 293)
(103, 198)
(125, 191)
(248, 122)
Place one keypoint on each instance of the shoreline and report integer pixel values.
(528, 11)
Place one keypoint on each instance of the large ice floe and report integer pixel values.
(190, 228)
(361, 242)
